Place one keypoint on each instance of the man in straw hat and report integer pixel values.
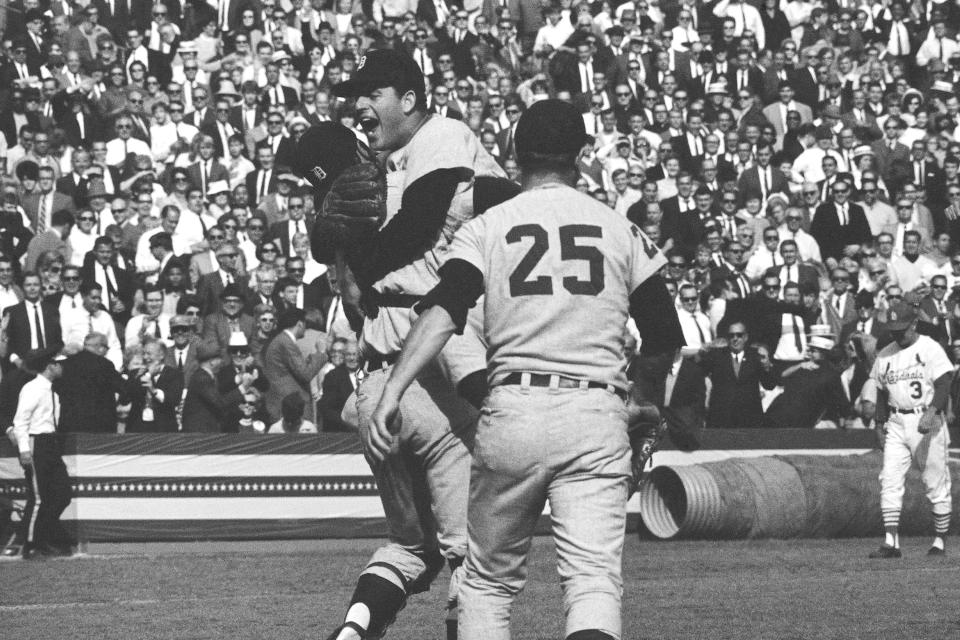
(812, 391)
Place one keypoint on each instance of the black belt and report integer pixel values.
(905, 411)
(546, 380)
(380, 361)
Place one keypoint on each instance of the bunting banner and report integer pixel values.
(220, 487)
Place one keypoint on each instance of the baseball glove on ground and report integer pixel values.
(646, 429)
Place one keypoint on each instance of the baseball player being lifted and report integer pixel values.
(560, 274)
(434, 168)
(912, 382)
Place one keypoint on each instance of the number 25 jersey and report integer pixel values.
(558, 268)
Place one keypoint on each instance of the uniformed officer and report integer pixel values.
(550, 262)
(41, 456)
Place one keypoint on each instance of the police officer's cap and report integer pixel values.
(551, 127)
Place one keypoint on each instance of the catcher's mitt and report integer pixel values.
(646, 429)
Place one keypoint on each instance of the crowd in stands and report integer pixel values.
(797, 162)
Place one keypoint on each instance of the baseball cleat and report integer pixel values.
(886, 551)
(936, 551)
(357, 632)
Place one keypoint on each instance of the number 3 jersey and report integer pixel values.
(908, 374)
(558, 269)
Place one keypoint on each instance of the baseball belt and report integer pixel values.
(906, 411)
(561, 382)
(380, 361)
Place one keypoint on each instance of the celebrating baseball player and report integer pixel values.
(434, 169)
(554, 426)
(912, 382)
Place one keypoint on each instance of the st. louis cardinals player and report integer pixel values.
(561, 273)
(912, 382)
(432, 168)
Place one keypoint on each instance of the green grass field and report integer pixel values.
(815, 589)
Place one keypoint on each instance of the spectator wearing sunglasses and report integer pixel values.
(737, 372)
(838, 226)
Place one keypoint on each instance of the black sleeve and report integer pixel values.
(413, 230)
(656, 317)
(461, 284)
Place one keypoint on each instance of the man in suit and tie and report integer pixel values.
(737, 374)
(792, 270)
(514, 107)
(284, 232)
(183, 354)
(867, 321)
(40, 205)
(212, 285)
(207, 169)
(205, 408)
(275, 94)
(892, 156)
(202, 113)
(440, 103)
(221, 128)
(681, 221)
(338, 385)
(31, 324)
(860, 118)
(745, 75)
(155, 392)
(925, 173)
(837, 305)
(219, 325)
(762, 180)
(263, 181)
(118, 284)
(691, 145)
(282, 146)
(285, 366)
(773, 76)
(247, 115)
(88, 389)
(776, 113)
(839, 226)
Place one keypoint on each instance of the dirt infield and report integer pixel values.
(817, 589)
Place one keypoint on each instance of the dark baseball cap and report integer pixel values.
(381, 68)
(551, 127)
(900, 316)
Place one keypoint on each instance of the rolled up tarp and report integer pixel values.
(779, 497)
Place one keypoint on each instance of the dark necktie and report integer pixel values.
(796, 335)
(36, 318)
(703, 338)
(736, 366)
(180, 361)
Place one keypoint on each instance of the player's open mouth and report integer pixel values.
(368, 124)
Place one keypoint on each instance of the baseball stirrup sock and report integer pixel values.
(941, 523)
(382, 599)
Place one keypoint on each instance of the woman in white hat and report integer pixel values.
(864, 162)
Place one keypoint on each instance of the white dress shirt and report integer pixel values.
(77, 324)
(38, 412)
